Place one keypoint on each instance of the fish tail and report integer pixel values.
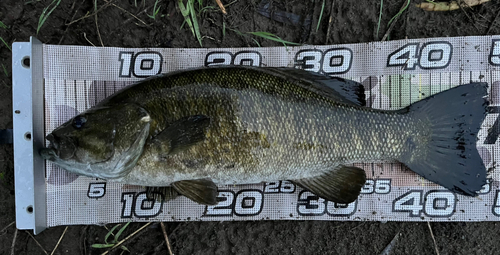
(448, 155)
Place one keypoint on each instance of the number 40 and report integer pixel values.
(433, 55)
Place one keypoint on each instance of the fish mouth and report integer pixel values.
(59, 148)
(48, 153)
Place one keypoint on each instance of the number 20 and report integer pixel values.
(249, 58)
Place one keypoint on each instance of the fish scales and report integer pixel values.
(264, 131)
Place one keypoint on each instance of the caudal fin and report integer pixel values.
(449, 156)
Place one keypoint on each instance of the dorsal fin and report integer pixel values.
(336, 88)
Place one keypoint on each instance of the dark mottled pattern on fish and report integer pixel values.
(264, 125)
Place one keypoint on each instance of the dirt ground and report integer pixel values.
(126, 24)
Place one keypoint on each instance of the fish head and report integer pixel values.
(103, 142)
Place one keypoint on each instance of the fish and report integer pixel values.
(185, 132)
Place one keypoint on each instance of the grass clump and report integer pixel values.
(109, 244)
(156, 10)
(189, 14)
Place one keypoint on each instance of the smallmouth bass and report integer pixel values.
(187, 131)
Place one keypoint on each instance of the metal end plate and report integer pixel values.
(29, 167)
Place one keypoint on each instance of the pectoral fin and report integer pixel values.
(182, 134)
(342, 185)
(201, 191)
(156, 193)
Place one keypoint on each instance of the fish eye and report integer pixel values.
(79, 121)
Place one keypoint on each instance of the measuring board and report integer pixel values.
(54, 83)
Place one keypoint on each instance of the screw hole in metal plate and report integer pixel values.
(27, 136)
(26, 62)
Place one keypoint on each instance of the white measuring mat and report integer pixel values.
(394, 74)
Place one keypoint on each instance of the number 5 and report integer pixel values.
(97, 190)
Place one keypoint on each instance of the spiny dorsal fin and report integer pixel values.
(342, 185)
(182, 134)
(336, 88)
(201, 191)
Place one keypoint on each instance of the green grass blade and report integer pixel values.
(380, 16)
(110, 233)
(195, 21)
(6, 44)
(244, 35)
(223, 30)
(237, 32)
(206, 8)
(102, 246)
(45, 14)
(399, 13)
(185, 14)
(121, 231)
(155, 10)
(256, 42)
(273, 37)
(320, 15)
(2, 25)
(184, 10)
(6, 72)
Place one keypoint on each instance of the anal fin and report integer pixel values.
(201, 191)
(341, 185)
